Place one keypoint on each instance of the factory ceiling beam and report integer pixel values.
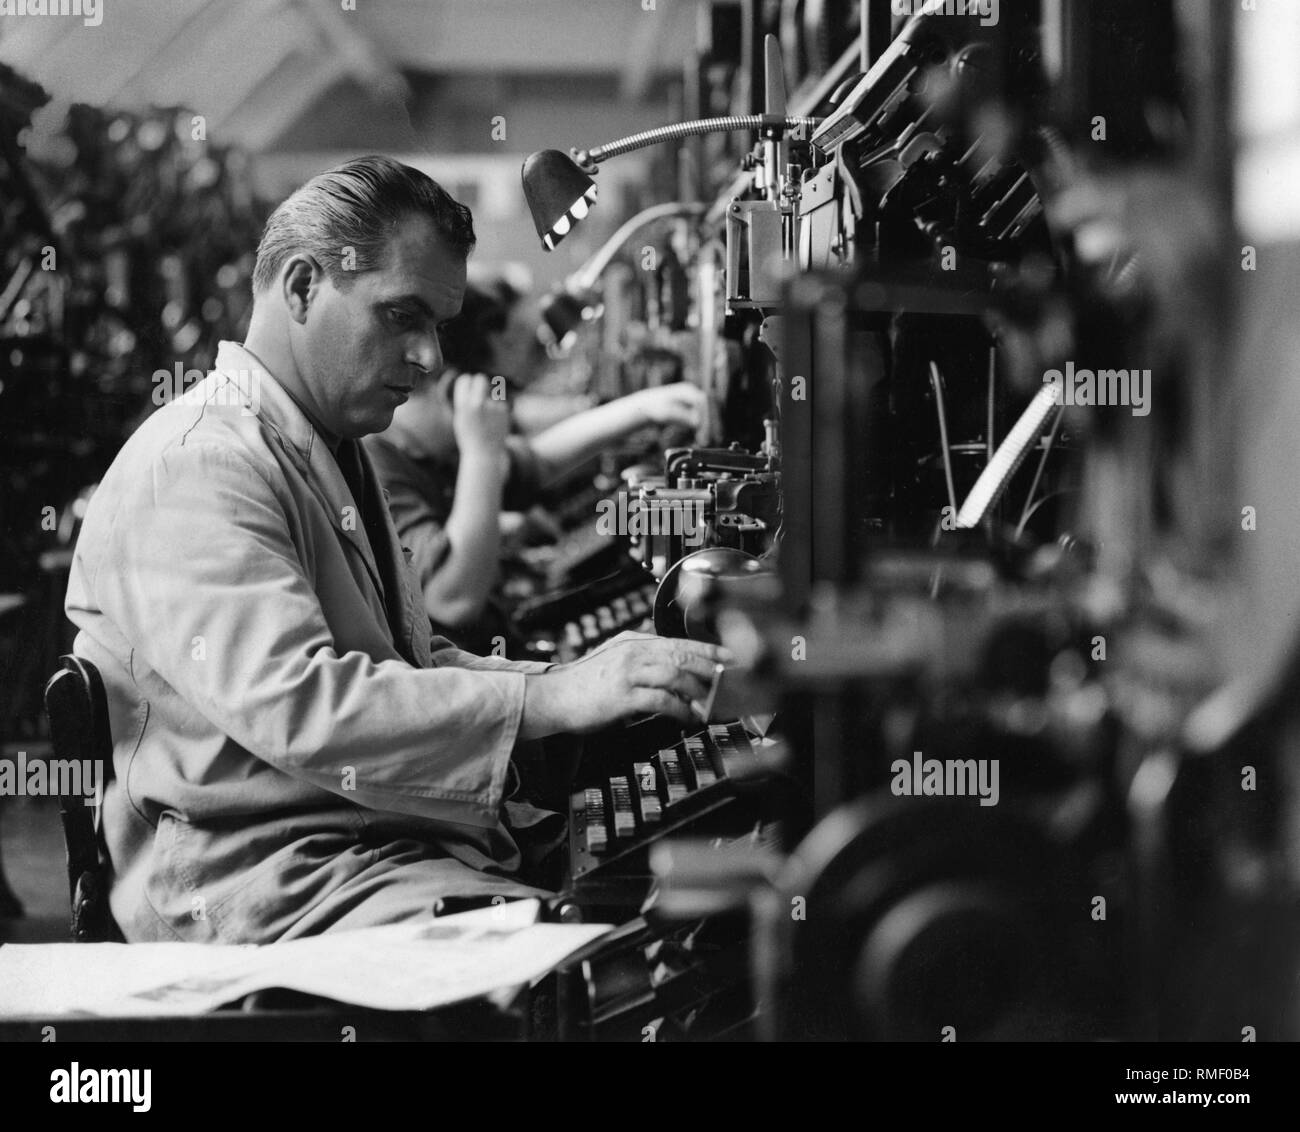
(198, 67)
(62, 54)
(286, 95)
(460, 36)
(342, 52)
(252, 68)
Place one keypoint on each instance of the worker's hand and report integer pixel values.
(630, 677)
(481, 421)
(620, 639)
(522, 530)
(534, 527)
(679, 403)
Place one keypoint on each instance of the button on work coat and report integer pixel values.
(291, 755)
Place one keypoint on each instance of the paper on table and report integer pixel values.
(48, 979)
(415, 966)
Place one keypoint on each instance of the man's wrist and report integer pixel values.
(485, 459)
(642, 404)
(540, 715)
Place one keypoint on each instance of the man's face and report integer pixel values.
(364, 344)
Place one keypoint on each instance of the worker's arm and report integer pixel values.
(457, 590)
(628, 677)
(564, 446)
(196, 569)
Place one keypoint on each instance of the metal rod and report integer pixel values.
(1028, 510)
(936, 380)
(993, 377)
(599, 153)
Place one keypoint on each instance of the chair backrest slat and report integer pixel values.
(78, 713)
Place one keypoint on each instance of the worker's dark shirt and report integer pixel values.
(421, 492)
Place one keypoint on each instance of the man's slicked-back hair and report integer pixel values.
(345, 217)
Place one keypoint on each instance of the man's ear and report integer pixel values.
(300, 281)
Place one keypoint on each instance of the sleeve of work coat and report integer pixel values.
(203, 549)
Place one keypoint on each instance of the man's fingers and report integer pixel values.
(687, 409)
(694, 657)
(651, 701)
(699, 658)
(713, 654)
(462, 394)
(696, 666)
(683, 652)
(669, 677)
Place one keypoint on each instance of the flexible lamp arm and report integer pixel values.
(560, 189)
(588, 159)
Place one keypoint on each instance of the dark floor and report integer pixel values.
(32, 859)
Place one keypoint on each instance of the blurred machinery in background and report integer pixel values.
(964, 304)
(126, 251)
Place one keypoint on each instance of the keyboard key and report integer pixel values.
(646, 792)
(621, 795)
(698, 755)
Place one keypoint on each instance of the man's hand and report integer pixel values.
(480, 420)
(621, 639)
(629, 677)
(535, 527)
(680, 403)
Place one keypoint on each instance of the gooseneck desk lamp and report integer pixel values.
(560, 190)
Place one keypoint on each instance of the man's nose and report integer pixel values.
(426, 353)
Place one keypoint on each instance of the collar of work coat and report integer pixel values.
(239, 376)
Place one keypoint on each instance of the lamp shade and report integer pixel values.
(559, 194)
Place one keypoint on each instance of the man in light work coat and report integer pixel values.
(293, 753)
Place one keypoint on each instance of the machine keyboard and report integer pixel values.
(648, 795)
